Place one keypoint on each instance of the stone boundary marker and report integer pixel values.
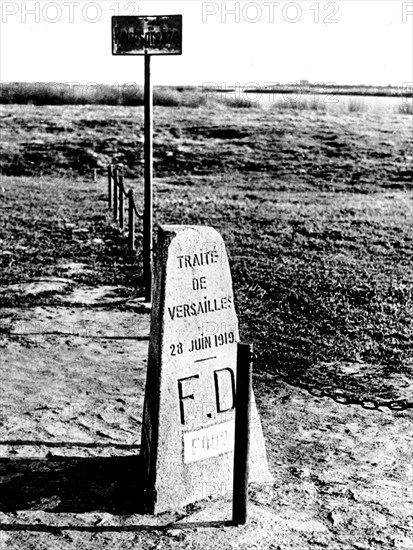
(189, 411)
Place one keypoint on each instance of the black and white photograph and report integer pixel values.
(206, 275)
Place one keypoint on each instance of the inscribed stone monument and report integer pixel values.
(189, 411)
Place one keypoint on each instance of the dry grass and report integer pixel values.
(406, 108)
(314, 208)
(299, 98)
(302, 104)
(101, 94)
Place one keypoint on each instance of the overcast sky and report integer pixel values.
(342, 42)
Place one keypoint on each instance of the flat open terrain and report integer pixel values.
(315, 207)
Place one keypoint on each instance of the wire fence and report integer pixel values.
(116, 201)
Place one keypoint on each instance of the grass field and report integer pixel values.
(314, 206)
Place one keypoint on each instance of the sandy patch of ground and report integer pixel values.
(73, 374)
(72, 397)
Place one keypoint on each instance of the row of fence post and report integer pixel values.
(116, 195)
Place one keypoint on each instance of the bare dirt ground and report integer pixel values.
(320, 244)
(73, 378)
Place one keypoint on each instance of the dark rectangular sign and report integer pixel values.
(151, 34)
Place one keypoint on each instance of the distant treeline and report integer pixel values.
(44, 93)
(314, 89)
(41, 93)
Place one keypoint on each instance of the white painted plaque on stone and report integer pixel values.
(189, 412)
(208, 442)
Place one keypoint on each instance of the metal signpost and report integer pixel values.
(147, 35)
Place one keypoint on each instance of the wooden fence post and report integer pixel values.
(242, 433)
(131, 210)
(110, 186)
(115, 194)
(121, 191)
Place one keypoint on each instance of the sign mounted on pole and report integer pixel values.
(147, 34)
